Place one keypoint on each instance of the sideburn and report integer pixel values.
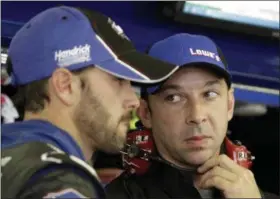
(148, 105)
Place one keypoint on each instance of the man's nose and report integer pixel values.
(132, 101)
(196, 114)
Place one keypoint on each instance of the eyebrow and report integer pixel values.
(212, 83)
(177, 87)
(169, 87)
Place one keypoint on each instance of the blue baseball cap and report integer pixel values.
(189, 50)
(75, 38)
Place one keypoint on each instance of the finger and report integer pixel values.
(229, 164)
(217, 182)
(223, 161)
(218, 171)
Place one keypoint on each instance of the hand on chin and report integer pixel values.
(231, 179)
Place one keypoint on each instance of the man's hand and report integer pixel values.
(224, 174)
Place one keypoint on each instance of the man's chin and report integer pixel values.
(120, 140)
(115, 145)
(119, 143)
(198, 158)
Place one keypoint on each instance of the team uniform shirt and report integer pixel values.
(39, 160)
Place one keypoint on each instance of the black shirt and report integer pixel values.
(161, 181)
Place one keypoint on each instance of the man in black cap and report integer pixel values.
(73, 68)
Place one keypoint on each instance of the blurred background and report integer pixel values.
(246, 31)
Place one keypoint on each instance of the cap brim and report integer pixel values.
(127, 62)
(138, 67)
(206, 65)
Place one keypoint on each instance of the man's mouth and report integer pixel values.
(126, 118)
(197, 138)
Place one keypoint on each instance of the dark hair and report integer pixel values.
(33, 96)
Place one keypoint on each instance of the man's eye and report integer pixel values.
(173, 98)
(211, 94)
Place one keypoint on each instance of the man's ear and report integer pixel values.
(144, 114)
(63, 86)
(231, 103)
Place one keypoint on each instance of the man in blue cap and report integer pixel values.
(188, 115)
(73, 69)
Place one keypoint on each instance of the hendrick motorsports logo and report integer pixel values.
(76, 55)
